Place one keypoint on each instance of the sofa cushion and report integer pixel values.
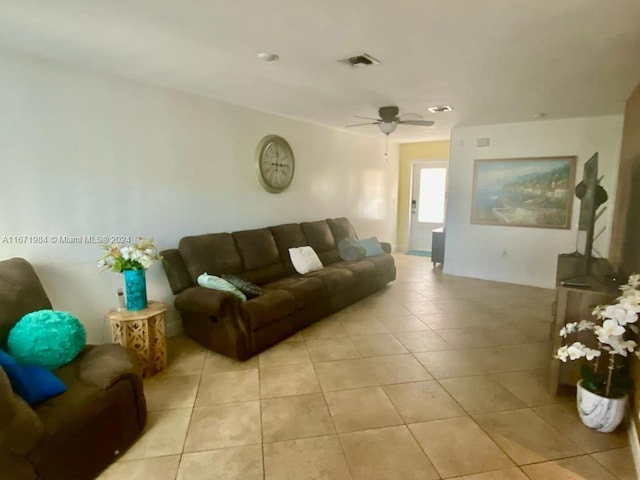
(319, 236)
(104, 365)
(382, 262)
(215, 253)
(270, 306)
(265, 275)
(20, 293)
(335, 279)
(304, 290)
(257, 248)
(88, 377)
(260, 255)
(341, 228)
(60, 411)
(361, 269)
(288, 236)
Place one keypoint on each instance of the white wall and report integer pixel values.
(515, 254)
(88, 154)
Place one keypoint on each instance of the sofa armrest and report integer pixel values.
(20, 426)
(386, 246)
(205, 301)
(104, 365)
(176, 270)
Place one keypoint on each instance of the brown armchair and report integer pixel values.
(77, 434)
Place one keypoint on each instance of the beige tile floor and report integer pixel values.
(433, 377)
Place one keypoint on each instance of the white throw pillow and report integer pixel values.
(305, 260)
(217, 283)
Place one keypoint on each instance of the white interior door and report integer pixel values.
(428, 202)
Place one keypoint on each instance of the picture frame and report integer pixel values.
(524, 192)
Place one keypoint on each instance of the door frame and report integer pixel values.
(435, 162)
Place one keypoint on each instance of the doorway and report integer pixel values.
(428, 202)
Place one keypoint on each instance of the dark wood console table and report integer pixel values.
(573, 304)
(437, 246)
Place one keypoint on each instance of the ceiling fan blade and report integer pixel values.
(361, 124)
(422, 123)
(416, 116)
(368, 118)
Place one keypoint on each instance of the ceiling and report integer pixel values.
(494, 61)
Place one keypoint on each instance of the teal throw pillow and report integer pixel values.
(372, 246)
(216, 283)
(350, 250)
(48, 338)
(33, 383)
(251, 290)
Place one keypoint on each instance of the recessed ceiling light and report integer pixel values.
(268, 56)
(440, 109)
(539, 115)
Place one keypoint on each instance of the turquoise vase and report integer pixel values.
(136, 289)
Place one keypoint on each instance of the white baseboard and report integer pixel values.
(635, 445)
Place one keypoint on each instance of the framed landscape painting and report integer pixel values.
(523, 192)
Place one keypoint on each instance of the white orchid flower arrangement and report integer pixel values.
(616, 324)
(137, 256)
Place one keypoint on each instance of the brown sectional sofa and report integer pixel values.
(77, 434)
(221, 322)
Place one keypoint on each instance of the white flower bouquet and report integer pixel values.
(137, 256)
(613, 332)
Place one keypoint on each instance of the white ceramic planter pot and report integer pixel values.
(600, 413)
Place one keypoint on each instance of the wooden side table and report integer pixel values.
(143, 331)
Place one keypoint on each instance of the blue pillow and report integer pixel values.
(33, 383)
(48, 338)
(371, 246)
(350, 250)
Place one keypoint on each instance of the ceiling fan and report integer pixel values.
(389, 120)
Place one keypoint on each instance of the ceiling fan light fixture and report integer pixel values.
(440, 108)
(387, 127)
(388, 120)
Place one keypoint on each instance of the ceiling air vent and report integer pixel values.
(440, 109)
(362, 60)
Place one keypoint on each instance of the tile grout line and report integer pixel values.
(631, 431)
(333, 423)
(264, 466)
(509, 456)
(184, 442)
(407, 425)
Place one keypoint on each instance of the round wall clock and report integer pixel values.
(275, 163)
